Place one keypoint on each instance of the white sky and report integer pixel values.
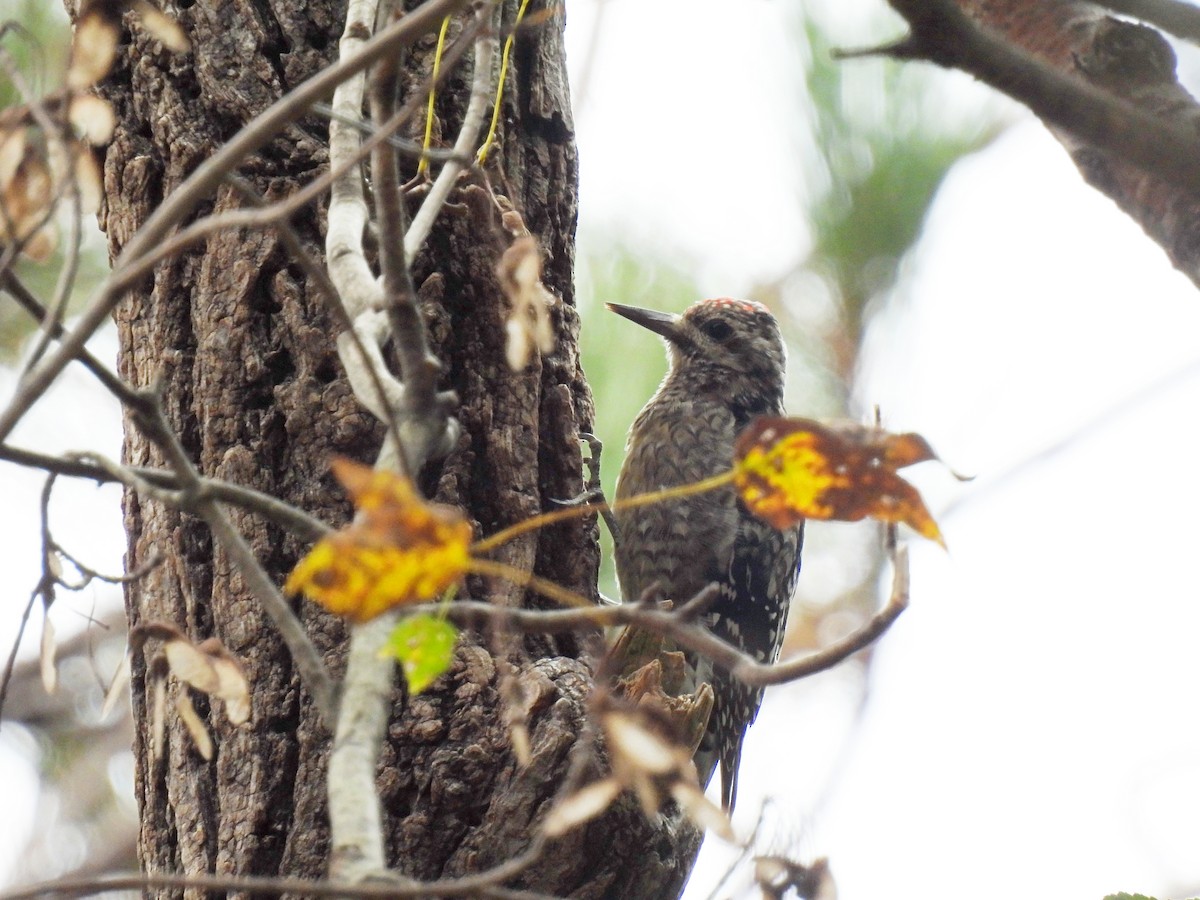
(1031, 726)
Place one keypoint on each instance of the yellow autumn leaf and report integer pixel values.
(399, 549)
(786, 470)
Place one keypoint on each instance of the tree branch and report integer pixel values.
(1108, 85)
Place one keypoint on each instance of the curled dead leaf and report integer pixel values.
(98, 31)
(647, 760)
(701, 810)
(94, 46)
(629, 740)
(582, 806)
(192, 665)
(159, 25)
(92, 118)
(528, 326)
(192, 722)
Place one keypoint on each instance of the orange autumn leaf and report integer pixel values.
(791, 469)
(399, 549)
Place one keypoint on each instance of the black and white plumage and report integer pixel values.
(727, 364)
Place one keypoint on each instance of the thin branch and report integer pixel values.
(355, 816)
(294, 520)
(404, 145)
(44, 589)
(943, 34)
(426, 429)
(15, 288)
(347, 217)
(677, 626)
(10, 665)
(184, 199)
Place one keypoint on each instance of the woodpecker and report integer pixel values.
(726, 366)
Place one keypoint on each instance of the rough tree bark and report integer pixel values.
(241, 348)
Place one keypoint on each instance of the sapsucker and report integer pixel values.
(727, 364)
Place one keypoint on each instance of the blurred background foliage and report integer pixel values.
(874, 148)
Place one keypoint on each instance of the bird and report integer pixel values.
(727, 365)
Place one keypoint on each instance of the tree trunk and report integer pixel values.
(241, 347)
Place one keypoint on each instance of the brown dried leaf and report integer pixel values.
(92, 118)
(195, 726)
(89, 180)
(158, 24)
(232, 686)
(40, 245)
(518, 734)
(94, 47)
(701, 810)
(582, 806)
(787, 470)
(637, 747)
(646, 792)
(400, 549)
(520, 274)
(192, 665)
(12, 152)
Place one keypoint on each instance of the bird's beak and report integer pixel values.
(661, 323)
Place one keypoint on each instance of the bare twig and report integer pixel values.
(44, 589)
(347, 219)
(404, 145)
(294, 520)
(15, 288)
(675, 624)
(426, 429)
(943, 34)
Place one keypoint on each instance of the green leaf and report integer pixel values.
(1124, 896)
(424, 645)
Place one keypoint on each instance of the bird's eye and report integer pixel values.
(717, 329)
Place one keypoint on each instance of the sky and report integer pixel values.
(1029, 727)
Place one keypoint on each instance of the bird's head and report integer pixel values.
(730, 345)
